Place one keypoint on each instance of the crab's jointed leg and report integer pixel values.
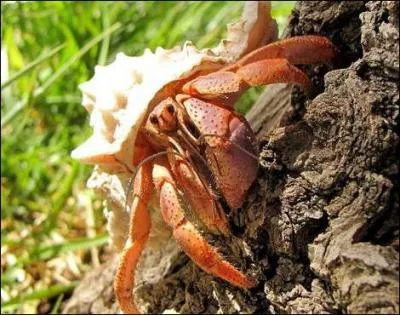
(299, 50)
(198, 195)
(186, 234)
(225, 133)
(142, 149)
(270, 71)
(266, 65)
(139, 230)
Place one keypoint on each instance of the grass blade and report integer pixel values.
(64, 68)
(77, 56)
(32, 65)
(105, 44)
(62, 195)
(48, 252)
(40, 294)
(14, 110)
(56, 307)
(43, 253)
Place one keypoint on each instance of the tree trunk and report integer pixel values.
(319, 228)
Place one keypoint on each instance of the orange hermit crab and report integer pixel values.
(189, 146)
(198, 126)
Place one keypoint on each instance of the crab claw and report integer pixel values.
(226, 86)
(231, 148)
(272, 63)
(298, 50)
(187, 235)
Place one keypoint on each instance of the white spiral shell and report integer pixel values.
(120, 96)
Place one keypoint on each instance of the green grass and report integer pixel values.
(48, 49)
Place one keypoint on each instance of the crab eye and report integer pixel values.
(170, 108)
(154, 119)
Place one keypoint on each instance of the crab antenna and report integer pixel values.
(128, 188)
(155, 155)
(214, 189)
(194, 150)
(235, 144)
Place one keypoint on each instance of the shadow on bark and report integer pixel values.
(319, 228)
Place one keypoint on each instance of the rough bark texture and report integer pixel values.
(320, 227)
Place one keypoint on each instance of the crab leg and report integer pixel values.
(297, 50)
(201, 200)
(227, 136)
(267, 65)
(186, 234)
(272, 71)
(142, 149)
(139, 230)
(224, 87)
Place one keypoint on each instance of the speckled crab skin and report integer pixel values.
(200, 123)
(178, 133)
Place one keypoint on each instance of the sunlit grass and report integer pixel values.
(48, 49)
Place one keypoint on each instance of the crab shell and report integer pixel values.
(121, 95)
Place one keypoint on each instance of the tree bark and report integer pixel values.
(319, 228)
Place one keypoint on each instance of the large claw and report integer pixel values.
(186, 234)
(198, 194)
(266, 65)
(271, 71)
(231, 148)
(299, 50)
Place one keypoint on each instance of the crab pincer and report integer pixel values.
(187, 235)
(202, 126)
(273, 63)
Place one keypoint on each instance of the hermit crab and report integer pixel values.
(168, 118)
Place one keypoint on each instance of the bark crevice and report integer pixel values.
(319, 228)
